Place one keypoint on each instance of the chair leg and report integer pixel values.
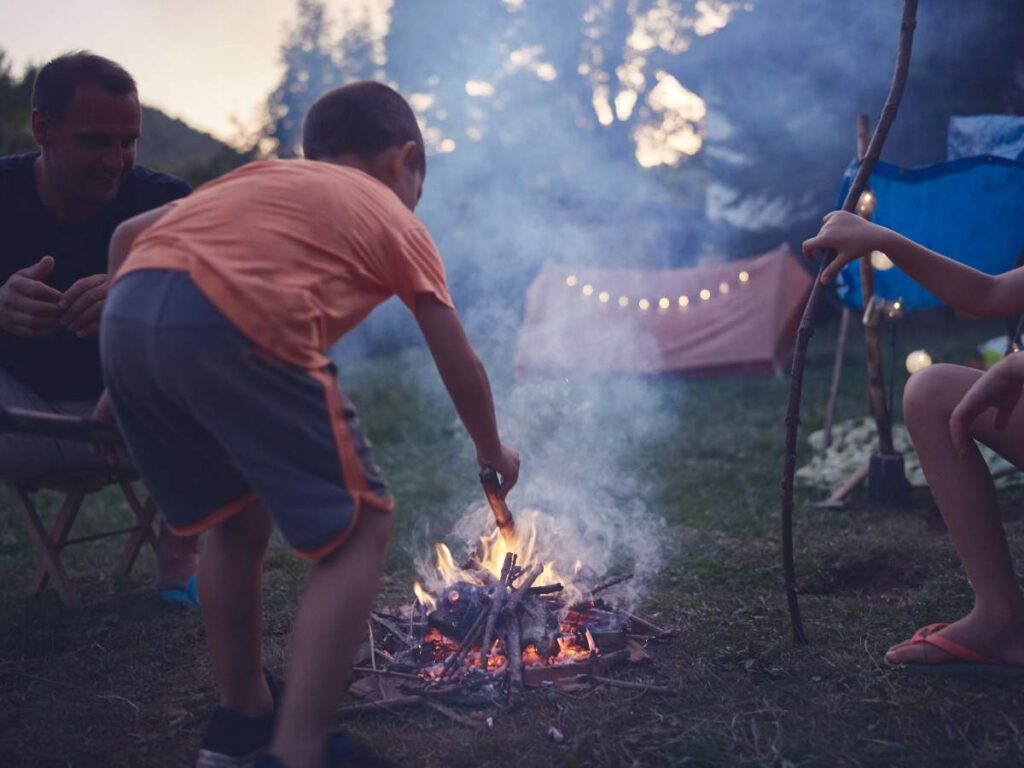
(58, 535)
(145, 513)
(48, 555)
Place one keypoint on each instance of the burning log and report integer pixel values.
(475, 568)
(502, 515)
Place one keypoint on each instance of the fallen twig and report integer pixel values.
(611, 681)
(373, 706)
(610, 583)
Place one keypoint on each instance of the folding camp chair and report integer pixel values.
(76, 486)
(49, 544)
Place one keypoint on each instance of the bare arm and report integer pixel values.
(466, 381)
(958, 285)
(125, 234)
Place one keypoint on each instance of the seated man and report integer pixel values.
(58, 209)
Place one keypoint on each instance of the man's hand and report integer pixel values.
(849, 235)
(506, 464)
(29, 307)
(999, 388)
(82, 304)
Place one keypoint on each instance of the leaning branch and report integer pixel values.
(806, 330)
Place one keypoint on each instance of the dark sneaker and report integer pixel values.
(341, 753)
(233, 740)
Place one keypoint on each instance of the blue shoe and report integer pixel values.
(188, 596)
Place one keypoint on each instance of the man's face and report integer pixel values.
(91, 147)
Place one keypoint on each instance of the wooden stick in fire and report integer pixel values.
(502, 515)
(497, 603)
(806, 330)
(514, 652)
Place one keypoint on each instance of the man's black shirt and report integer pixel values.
(62, 366)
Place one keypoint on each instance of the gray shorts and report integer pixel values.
(212, 421)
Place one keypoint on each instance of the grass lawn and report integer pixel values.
(125, 682)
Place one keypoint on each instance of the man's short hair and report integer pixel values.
(56, 82)
(362, 118)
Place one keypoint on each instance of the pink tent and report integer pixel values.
(720, 318)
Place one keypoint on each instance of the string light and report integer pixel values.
(664, 302)
(881, 261)
(867, 203)
(918, 360)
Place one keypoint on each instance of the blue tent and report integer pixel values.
(970, 209)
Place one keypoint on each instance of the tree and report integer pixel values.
(314, 62)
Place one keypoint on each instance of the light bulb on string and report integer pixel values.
(571, 281)
(588, 289)
(705, 294)
(623, 301)
(723, 287)
(684, 301)
(918, 360)
(867, 203)
(881, 261)
(603, 297)
(744, 276)
(664, 303)
(644, 304)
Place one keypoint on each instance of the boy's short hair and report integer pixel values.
(362, 118)
(55, 83)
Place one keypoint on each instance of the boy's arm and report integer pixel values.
(466, 381)
(125, 234)
(958, 285)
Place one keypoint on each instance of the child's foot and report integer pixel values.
(233, 740)
(342, 752)
(1002, 642)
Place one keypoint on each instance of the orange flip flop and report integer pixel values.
(966, 663)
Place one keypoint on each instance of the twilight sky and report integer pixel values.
(210, 62)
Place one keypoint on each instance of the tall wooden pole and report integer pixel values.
(873, 338)
(863, 136)
(806, 329)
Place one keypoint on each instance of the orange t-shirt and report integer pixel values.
(295, 253)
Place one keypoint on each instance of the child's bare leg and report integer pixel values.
(328, 629)
(231, 596)
(966, 497)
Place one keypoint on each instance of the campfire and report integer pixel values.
(502, 622)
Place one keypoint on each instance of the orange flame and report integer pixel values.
(424, 597)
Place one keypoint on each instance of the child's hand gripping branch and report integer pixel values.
(947, 408)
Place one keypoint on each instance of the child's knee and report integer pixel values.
(929, 393)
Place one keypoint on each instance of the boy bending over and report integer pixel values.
(947, 408)
(213, 342)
